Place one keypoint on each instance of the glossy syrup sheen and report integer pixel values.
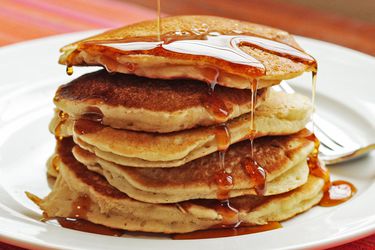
(338, 192)
(213, 48)
(227, 232)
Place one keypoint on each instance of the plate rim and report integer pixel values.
(348, 237)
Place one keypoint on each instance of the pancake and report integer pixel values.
(280, 114)
(103, 49)
(152, 105)
(199, 178)
(120, 179)
(106, 205)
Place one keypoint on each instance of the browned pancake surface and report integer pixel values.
(272, 153)
(98, 182)
(153, 94)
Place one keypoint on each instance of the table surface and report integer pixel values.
(28, 19)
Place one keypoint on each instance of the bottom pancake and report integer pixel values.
(81, 193)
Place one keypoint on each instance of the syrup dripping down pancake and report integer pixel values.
(279, 114)
(268, 63)
(283, 158)
(112, 208)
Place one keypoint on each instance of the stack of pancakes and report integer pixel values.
(175, 143)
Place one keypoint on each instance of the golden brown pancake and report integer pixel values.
(105, 205)
(117, 177)
(198, 178)
(93, 51)
(280, 114)
(153, 105)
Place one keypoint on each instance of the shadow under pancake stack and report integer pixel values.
(182, 131)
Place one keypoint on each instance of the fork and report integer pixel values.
(335, 146)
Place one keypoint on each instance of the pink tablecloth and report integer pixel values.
(27, 19)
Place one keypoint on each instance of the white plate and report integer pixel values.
(29, 76)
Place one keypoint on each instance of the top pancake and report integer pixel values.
(94, 51)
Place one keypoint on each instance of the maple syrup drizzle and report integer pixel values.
(250, 165)
(93, 114)
(87, 226)
(158, 20)
(226, 232)
(338, 192)
(223, 51)
(316, 167)
(252, 134)
(62, 119)
(224, 182)
(257, 173)
(55, 163)
(80, 207)
(69, 70)
(313, 95)
(84, 127)
(335, 192)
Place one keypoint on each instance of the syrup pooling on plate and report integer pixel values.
(226, 232)
(86, 226)
(335, 192)
(338, 192)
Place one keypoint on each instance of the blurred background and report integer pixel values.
(350, 23)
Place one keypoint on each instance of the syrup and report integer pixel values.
(62, 119)
(227, 232)
(216, 106)
(257, 174)
(316, 167)
(313, 94)
(211, 48)
(55, 163)
(338, 192)
(83, 127)
(86, 226)
(222, 137)
(224, 182)
(80, 207)
(158, 19)
(93, 114)
(69, 70)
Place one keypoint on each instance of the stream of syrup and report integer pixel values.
(335, 192)
(158, 19)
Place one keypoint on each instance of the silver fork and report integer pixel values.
(335, 145)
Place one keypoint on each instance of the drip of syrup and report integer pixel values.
(224, 182)
(227, 232)
(254, 87)
(338, 192)
(80, 207)
(251, 166)
(86, 226)
(159, 19)
(84, 127)
(313, 94)
(69, 70)
(257, 173)
(55, 163)
(216, 106)
(62, 119)
(316, 167)
(228, 213)
(222, 137)
(93, 114)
